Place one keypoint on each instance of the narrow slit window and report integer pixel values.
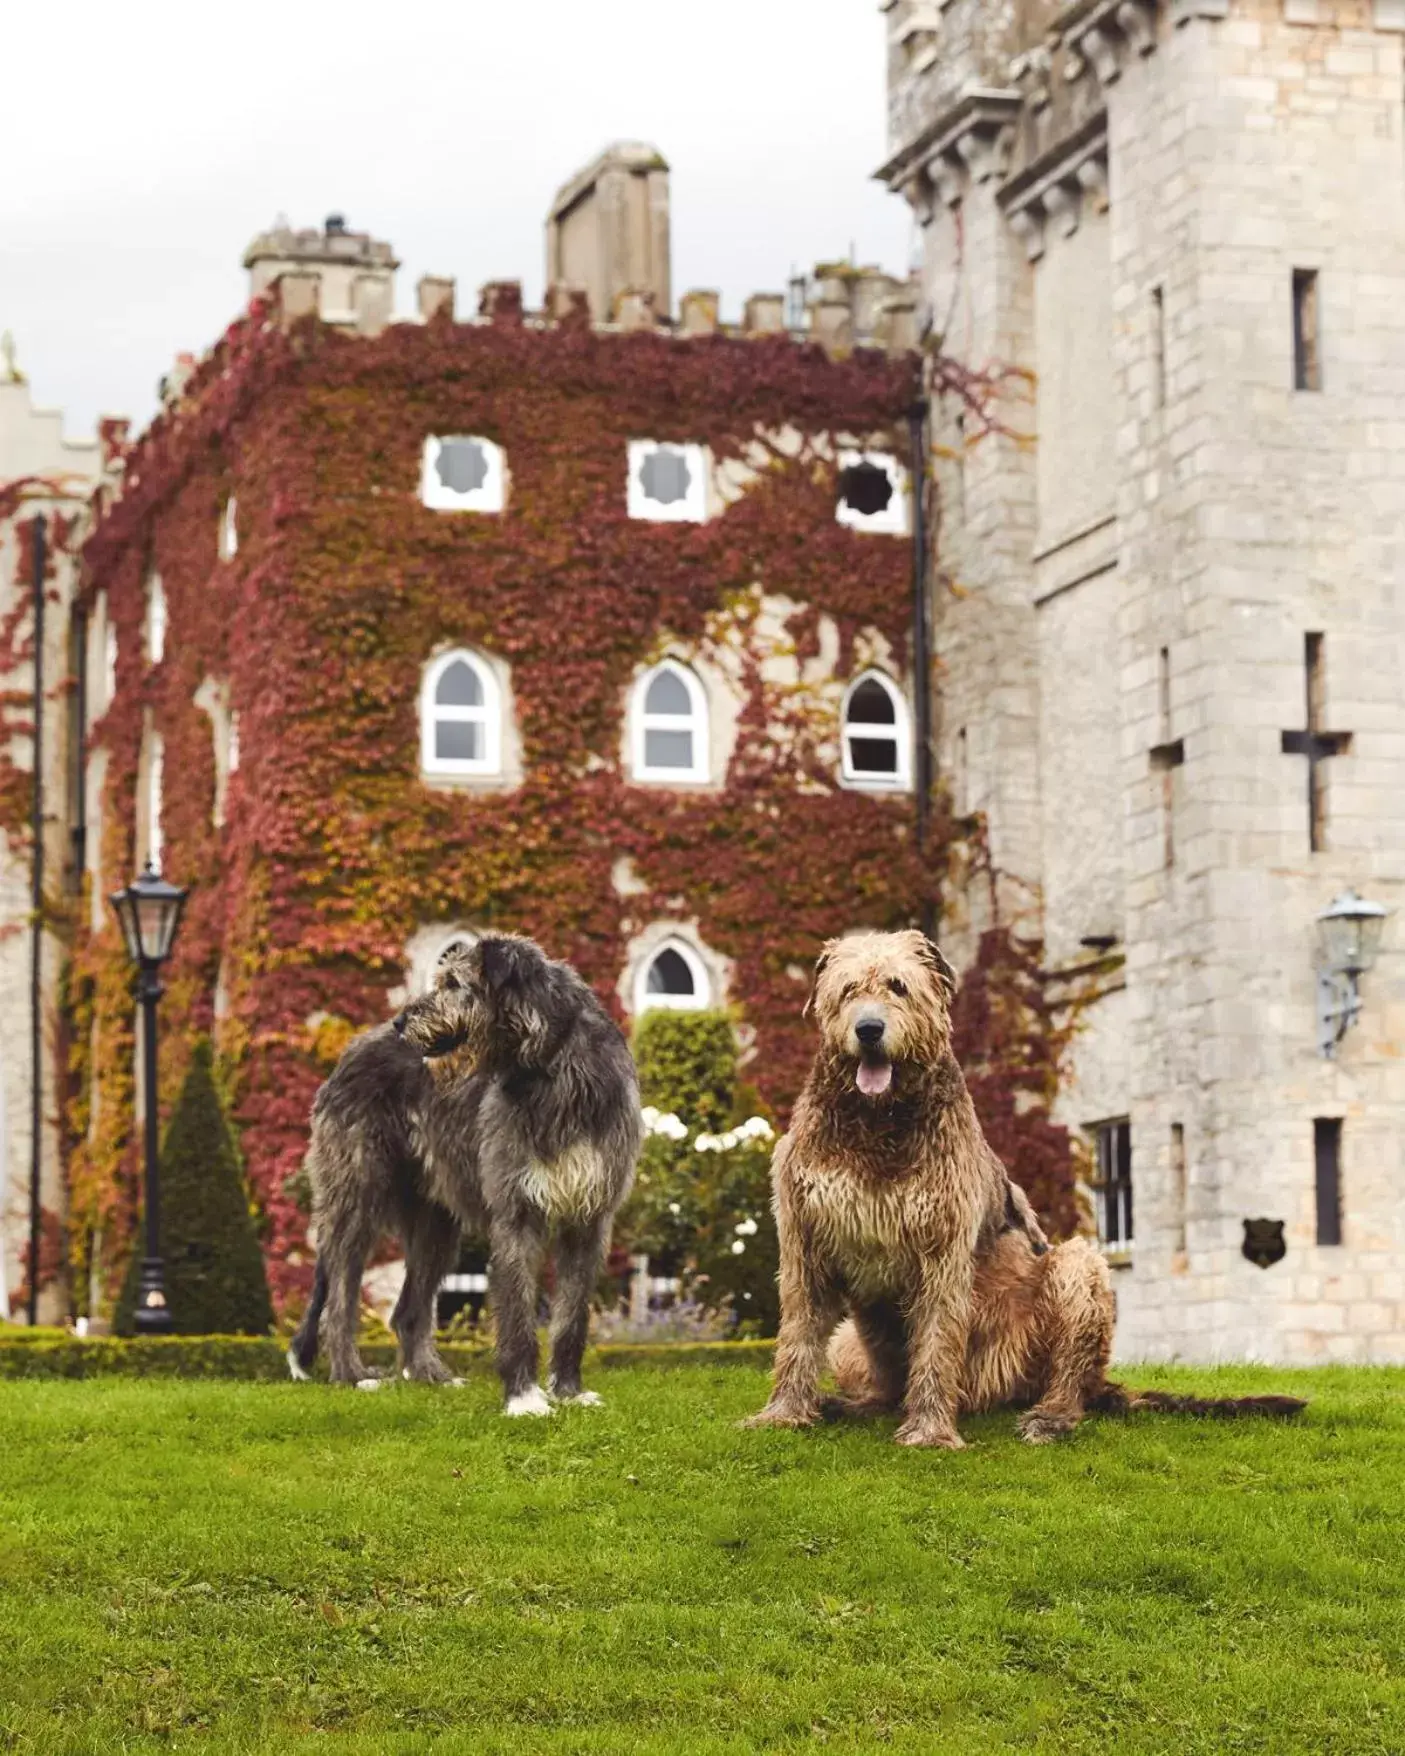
(1327, 1144)
(1307, 330)
(1158, 331)
(1179, 1189)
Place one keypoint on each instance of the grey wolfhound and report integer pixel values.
(504, 1102)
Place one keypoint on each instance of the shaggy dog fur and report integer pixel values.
(503, 1103)
(890, 1202)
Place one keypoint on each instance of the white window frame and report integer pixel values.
(902, 732)
(692, 508)
(490, 496)
(155, 620)
(894, 519)
(698, 1001)
(229, 530)
(489, 716)
(696, 720)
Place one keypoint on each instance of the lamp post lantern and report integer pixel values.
(1349, 937)
(149, 912)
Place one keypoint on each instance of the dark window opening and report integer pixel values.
(461, 465)
(668, 693)
(1158, 318)
(1112, 1184)
(460, 686)
(669, 974)
(1327, 1144)
(866, 489)
(1179, 1188)
(872, 705)
(1307, 337)
(873, 755)
(665, 477)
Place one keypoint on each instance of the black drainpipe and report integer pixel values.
(80, 740)
(921, 635)
(36, 1012)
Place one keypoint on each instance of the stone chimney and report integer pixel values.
(608, 230)
(355, 274)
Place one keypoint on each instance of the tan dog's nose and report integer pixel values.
(870, 1031)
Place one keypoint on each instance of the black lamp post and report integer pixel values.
(149, 912)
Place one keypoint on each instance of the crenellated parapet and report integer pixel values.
(1015, 94)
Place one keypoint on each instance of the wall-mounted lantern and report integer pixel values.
(1348, 939)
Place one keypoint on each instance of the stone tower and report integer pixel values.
(1167, 237)
(608, 231)
(346, 277)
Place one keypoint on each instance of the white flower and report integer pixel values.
(757, 1128)
(707, 1143)
(663, 1122)
(747, 1228)
(738, 1248)
(673, 1207)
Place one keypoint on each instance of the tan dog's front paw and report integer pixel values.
(784, 1414)
(1039, 1427)
(930, 1434)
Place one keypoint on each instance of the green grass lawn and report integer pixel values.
(289, 1567)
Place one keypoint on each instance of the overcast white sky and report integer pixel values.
(142, 146)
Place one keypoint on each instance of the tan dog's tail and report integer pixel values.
(1117, 1399)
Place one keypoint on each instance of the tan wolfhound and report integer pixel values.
(891, 1203)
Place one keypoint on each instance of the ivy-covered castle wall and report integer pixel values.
(315, 861)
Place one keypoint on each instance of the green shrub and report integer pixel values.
(215, 1283)
(688, 1065)
(701, 1205)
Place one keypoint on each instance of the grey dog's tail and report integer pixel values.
(302, 1355)
(1117, 1399)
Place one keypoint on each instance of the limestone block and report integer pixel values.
(434, 295)
(698, 312)
(634, 310)
(298, 294)
(764, 314)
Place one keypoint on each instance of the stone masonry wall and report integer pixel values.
(1251, 514)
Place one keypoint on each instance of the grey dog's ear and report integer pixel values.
(821, 966)
(505, 961)
(934, 955)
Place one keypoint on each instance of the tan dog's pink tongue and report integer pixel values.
(874, 1081)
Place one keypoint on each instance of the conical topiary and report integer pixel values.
(215, 1282)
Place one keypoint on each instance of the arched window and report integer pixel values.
(460, 716)
(669, 730)
(673, 977)
(877, 749)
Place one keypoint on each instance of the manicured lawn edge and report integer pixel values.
(53, 1353)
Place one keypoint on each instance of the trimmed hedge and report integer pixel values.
(53, 1353)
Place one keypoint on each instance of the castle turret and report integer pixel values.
(350, 276)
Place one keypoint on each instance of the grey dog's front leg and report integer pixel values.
(516, 1243)
(580, 1250)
